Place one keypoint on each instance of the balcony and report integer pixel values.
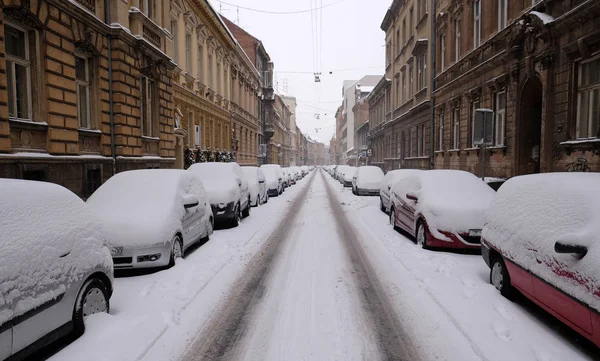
(146, 29)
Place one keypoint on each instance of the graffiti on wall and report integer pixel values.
(579, 165)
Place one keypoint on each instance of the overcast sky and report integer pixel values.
(350, 38)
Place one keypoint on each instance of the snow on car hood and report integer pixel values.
(349, 173)
(533, 212)
(271, 177)
(369, 177)
(39, 222)
(143, 207)
(219, 182)
(452, 201)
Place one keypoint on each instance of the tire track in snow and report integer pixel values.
(394, 343)
(227, 328)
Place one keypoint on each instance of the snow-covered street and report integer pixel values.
(319, 274)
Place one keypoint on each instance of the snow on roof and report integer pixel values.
(545, 18)
(535, 211)
(219, 181)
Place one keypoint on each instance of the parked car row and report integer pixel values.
(58, 253)
(539, 234)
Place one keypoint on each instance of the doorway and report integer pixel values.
(530, 127)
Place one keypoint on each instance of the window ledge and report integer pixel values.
(90, 132)
(421, 157)
(583, 141)
(453, 150)
(150, 139)
(421, 92)
(496, 147)
(439, 151)
(28, 124)
(472, 149)
(422, 21)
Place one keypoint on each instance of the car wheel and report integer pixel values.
(381, 207)
(421, 235)
(93, 298)
(209, 229)
(237, 217)
(393, 218)
(176, 251)
(500, 279)
(258, 200)
(246, 212)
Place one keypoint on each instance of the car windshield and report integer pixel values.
(324, 180)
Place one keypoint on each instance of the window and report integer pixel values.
(82, 81)
(456, 128)
(441, 132)
(398, 99)
(502, 13)
(420, 72)
(175, 47)
(388, 53)
(147, 96)
(588, 99)
(421, 8)
(500, 115)
(457, 40)
(93, 180)
(18, 72)
(398, 42)
(411, 16)
(421, 140)
(188, 52)
(476, 23)
(200, 63)
(210, 71)
(403, 87)
(219, 90)
(411, 80)
(443, 51)
(147, 8)
(474, 105)
(404, 34)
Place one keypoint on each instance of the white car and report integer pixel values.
(388, 181)
(367, 181)
(274, 179)
(151, 216)
(217, 178)
(55, 266)
(348, 175)
(256, 185)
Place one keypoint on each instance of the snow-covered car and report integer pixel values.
(227, 190)
(286, 177)
(348, 175)
(441, 208)
(274, 179)
(339, 173)
(55, 266)
(151, 216)
(256, 185)
(385, 189)
(542, 238)
(367, 181)
(304, 170)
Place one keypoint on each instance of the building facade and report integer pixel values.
(532, 64)
(291, 104)
(361, 119)
(380, 113)
(406, 140)
(82, 98)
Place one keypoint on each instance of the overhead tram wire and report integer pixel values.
(282, 12)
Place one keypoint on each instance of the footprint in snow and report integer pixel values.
(502, 332)
(503, 311)
(468, 282)
(445, 269)
(470, 295)
(541, 354)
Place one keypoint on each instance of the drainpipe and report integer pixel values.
(111, 114)
(432, 83)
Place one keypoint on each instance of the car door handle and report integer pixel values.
(64, 255)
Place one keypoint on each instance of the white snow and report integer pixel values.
(251, 174)
(144, 207)
(273, 173)
(218, 180)
(493, 179)
(533, 212)
(545, 18)
(369, 177)
(581, 141)
(450, 200)
(348, 173)
(393, 175)
(39, 222)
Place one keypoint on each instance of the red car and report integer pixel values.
(441, 208)
(542, 238)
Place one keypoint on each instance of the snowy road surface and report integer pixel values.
(318, 274)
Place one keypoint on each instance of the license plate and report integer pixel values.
(116, 251)
(475, 232)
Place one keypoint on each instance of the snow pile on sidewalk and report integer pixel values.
(535, 211)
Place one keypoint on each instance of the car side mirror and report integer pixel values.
(412, 197)
(575, 250)
(190, 202)
(239, 181)
(261, 181)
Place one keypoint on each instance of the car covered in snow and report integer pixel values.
(367, 181)
(441, 208)
(542, 238)
(274, 179)
(55, 266)
(348, 174)
(287, 177)
(227, 189)
(494, 183)
(256, 184)
(388, 181)
(151, 216)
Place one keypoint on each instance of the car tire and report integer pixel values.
(237, 217)
(210, 229)
(92, 298)
(176, 251)
(259, 201)
(393, 218)
(381, 207)
(421, 234)
(246, 212)
(500, 278)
